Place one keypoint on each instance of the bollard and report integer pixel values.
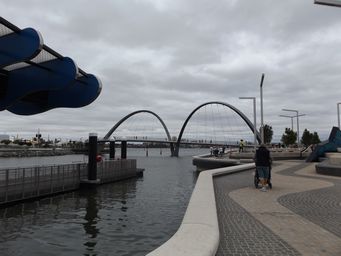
(112, 150)
(92, 165)
(123, 149)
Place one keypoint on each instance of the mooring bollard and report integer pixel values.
(92, 165)
(112, 149)
(123, 149)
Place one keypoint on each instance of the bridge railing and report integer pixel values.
(139, 138)
(183, 140)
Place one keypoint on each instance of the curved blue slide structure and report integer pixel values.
(34, 78)
(21, 46)
(79, 94)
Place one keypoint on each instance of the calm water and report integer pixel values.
(131, 217)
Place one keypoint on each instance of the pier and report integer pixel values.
(19, 184)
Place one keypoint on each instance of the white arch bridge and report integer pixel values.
(175, 144)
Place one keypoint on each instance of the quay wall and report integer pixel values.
(208, 162)
(19, 184)
(198, 233)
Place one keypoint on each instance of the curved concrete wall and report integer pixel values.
(198, 233)
(209, 163)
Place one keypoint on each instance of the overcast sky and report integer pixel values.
(170, 56)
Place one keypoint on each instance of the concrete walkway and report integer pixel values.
(301, 215)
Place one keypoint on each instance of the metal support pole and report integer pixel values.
(261, 110)
(298, 125)
(92, 164)
(298, 131)
(51, 179)
(254, 123)
(292, 120)
(37, 173)
(23, 183)
(112, 150)
(123, 149)
(63, 178)
(7, 183)
(338, 114)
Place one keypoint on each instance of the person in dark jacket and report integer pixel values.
(241, 146)
(263, 163)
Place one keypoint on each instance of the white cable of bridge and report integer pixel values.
(222, 118)
(205, 125)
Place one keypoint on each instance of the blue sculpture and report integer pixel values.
(21, 46)
(34, 78)
(330, 145)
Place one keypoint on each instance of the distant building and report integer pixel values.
(4, 137)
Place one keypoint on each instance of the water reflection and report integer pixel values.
(14, 217)
(102, 209)
(90, 218)
(131, 217)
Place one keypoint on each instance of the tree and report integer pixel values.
(289, 137)
(315, 138)
(307, 138)
(268, 132)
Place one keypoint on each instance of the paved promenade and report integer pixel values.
(301, 215)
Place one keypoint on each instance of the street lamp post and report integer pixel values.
(254, 118)
(338, 114)
(261, 109)
(334, 3)
(292, 120)
(298, 126)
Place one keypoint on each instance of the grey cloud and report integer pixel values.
(171, 56)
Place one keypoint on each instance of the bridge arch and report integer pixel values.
(247, 121)
(111, 131)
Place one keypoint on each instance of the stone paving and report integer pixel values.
(301, 215)
(322, 206)
(240, 233)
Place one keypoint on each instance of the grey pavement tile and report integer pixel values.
(321, 206)
(241, 233)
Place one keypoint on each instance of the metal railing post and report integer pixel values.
(37, 171)
(23, 184)
(58, 176)
(63, 179)
(79, 172)
(7, 181)
(51, 178)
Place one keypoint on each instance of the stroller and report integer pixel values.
(257, 180)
